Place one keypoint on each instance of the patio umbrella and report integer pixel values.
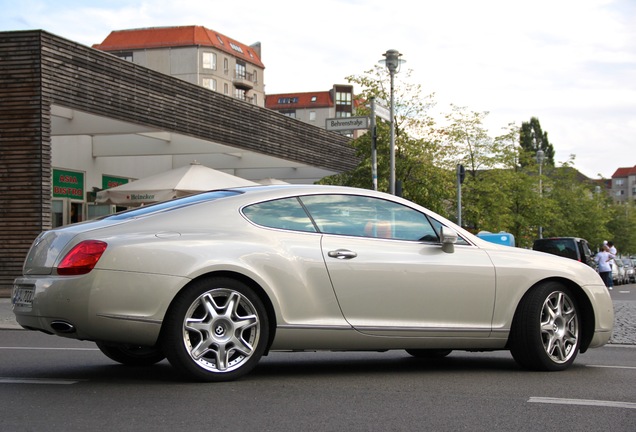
(165, 186)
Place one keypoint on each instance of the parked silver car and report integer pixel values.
(630, 272)
(216, 280)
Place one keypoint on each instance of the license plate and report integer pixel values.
(22, 296)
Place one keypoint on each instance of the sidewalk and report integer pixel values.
(624, 320)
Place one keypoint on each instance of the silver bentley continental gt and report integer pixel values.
(214, 281)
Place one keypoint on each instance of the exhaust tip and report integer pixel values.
(63, 327)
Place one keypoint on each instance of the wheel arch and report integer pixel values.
(258, 290)
(588, 318)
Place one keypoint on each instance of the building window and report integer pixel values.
(226, 89)
(343, 98)
(255, 76)
(209, 61)
(312, 116)
(619, 182)
(289, 113)
(226, 68)
(314, 98)
(255, 99)
(287, 100)
(240, 70)
(236, 47)
(239, 94)
(209, 83)
(343, 114)
(128, 56)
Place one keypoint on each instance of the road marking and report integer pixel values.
(49, 349)
(7, 380)
(612, 367)
(611, 404)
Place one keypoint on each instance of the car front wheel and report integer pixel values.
(546, 330)
(216, 330)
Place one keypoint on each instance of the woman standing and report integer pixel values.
(603, 259)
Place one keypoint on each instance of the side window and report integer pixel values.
(285, 214)
(368, 217)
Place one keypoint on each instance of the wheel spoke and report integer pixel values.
(559, 327)
(221, 330)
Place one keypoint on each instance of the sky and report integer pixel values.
(570, 63)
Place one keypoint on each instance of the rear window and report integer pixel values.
(561, 247)
(171, 205)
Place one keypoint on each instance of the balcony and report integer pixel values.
(243, 80)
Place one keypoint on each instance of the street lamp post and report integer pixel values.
(540, 159)
(392, 61)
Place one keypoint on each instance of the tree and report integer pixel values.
(419, 161)
(532, 139)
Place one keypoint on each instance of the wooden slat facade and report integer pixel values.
(38, 70)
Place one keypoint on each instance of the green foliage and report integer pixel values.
(532, 138)
(503, 189)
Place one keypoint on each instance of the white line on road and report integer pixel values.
(7, 380)
(612, 367)
(48, 349)
(611, 404)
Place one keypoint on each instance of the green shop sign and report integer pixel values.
(68, 184)
(111, 182)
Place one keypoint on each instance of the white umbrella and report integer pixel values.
(271, 181)
(165, 186)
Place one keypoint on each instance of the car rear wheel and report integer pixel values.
(131, 355)
(216, 330)
(546, 330)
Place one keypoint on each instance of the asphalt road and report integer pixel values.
(55, 384)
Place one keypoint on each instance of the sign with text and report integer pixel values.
(68, 184)
(111, 182)
(347, 123)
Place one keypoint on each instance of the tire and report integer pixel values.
(131, 355)
(429, 353)
(216, 330)
(546, 332)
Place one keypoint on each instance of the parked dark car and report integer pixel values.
(569, 247)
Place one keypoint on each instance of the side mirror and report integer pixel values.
(448, 238)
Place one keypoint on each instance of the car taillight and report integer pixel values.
(82, 258)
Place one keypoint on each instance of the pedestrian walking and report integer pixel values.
(603, 258)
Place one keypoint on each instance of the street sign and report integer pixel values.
(347, 123)
(382, 112)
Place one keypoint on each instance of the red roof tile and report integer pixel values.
(624, 172)
(323, 100)
(162, 37)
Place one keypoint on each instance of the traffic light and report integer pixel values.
(461, 173)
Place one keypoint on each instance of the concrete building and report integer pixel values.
(74, 120)
(195, 54)
(624, 185)
(314, 107)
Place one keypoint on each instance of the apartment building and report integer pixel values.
(195, 54)
(624, 185)
(314, 107)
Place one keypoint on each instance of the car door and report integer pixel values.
(391, 276)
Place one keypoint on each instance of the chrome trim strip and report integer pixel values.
(130, 318)
(378, 329)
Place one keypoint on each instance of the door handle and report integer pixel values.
(342, 254)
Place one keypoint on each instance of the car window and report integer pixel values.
(170, 205)
(561, 247)
(368, 217)
(285, 213)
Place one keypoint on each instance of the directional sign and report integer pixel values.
(347, 123)
(382, 112)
